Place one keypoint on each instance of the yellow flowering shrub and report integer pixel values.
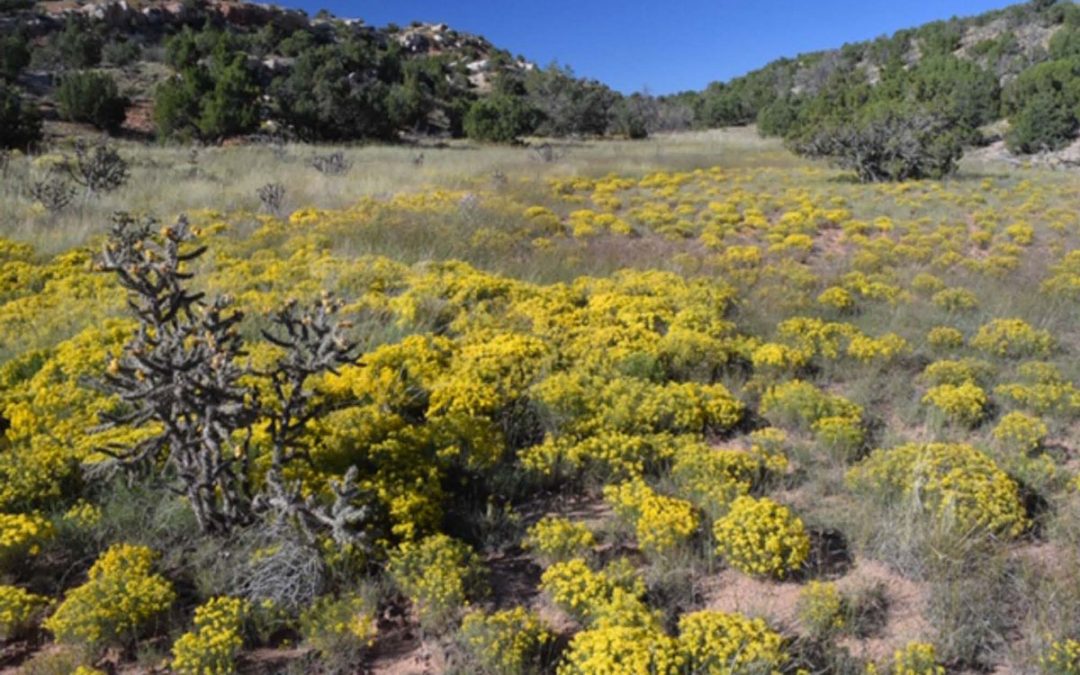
(121, 595)
(714, 477)
(821, 609)
(955, 300)
(957, 372)
(944, 337)
(924, 282)
(1020, 432)
(800, 404)
(612, 596)
(1061, 657)
(841, 437)
(607, 455)
(717, 643)
(953, 482)
(619, 427)
(340, 624)
(836, 297)
(762, 538)
(18, 608)
(52, 413)
(21, 535)
(438, 574)
(212, 647)
(964, 404)
(621, 650)
(512, 641)
(917, 658)
(557, 539)
(83, 514)
(660, 523)
(821, 338)
(1065, 280)
(881, 349)
(1012, 338)
(779, 358)
(1042, 389)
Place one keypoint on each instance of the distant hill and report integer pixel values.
(1021, 63)
(212, 69)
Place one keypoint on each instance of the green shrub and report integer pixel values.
(15, 5)
(566, 104)
(1045, 123)
(887, 143)
(320, 100)
(121, 52)
(1065, 44)
(20, 125)
(779, 118)
(92, 98)
(1041, 105)
(14, 56)
(631, 118)
(499, 119)
(177, 104)
(78, 44)
(965, 94)
(229, 108)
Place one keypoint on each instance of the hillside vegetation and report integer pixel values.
(1021, 63)
(208, 70)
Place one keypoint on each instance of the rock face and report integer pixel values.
(160, 15)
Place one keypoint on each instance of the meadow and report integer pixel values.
(683, 405)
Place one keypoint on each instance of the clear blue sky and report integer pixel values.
(664, 46)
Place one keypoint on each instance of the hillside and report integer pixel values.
(1021, 63)
(214, 69)
(210, 70)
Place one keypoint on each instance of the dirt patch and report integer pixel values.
(417, 658)
(732, 591)
(905, 620)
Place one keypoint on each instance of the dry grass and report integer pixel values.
(167, 181)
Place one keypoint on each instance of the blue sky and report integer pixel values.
(663, 46)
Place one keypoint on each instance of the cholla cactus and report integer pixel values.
(182, 371)
(53, 193)
(333, 164)
(98, 169)
(313, 342)
(272, 195)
